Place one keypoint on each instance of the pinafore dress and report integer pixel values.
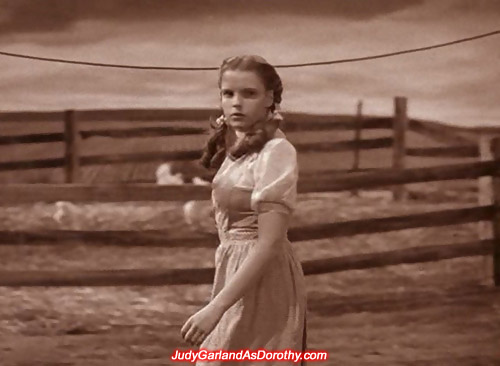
(272, 314)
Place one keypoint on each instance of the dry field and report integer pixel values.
(443, 313)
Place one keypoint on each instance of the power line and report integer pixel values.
(373, 57)
(209, 68)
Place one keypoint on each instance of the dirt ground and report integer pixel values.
(443, 313)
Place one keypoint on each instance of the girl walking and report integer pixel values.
(258, 299)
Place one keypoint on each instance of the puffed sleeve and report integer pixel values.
(275, 176)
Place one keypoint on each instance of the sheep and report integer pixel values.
(65, 213)
(178, 173)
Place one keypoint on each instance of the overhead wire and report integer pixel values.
(210, 68)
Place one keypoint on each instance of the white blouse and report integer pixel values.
(269, 178)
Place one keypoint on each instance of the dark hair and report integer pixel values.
(215, 150)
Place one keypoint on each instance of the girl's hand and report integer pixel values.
(201, 324)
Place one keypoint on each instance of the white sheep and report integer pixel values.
(65, 214)
(164, 175)
(177, 174)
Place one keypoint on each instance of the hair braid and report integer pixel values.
(215, 149)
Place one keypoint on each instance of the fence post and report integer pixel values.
(399, 126)
(485, 198)
(358, 126)
(485, 186)
(72, 147)
(495, 148)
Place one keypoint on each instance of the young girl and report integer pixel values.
(259, 298)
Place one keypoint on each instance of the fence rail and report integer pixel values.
(467, 151)
(200, 276)
(443, 133)
(391, 177)
(114, 133)
(24, 193)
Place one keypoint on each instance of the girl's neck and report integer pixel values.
(233, 137)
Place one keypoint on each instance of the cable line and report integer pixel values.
(210, 68)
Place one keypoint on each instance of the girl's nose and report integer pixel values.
(236, 99)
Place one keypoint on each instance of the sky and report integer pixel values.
(458, 85)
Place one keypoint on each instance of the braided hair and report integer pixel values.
(216, 150)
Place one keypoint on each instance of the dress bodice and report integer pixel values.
(256, 182)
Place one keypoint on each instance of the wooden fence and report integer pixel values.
(145, 192)
(487, 171)
(74, 158)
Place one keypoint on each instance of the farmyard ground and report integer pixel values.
(443, 313)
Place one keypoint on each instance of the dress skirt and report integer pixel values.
(270, 316)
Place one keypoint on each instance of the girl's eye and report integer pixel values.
(250, 93)
(227, 93)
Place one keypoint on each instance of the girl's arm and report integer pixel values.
(271, 232)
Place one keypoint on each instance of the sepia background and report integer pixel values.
(409, 278)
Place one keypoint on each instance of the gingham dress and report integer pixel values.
(272, 314)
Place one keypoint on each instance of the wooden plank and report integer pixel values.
(27, 193)
(158, 156)
(369, 123)
(485, 188)
(72, 148)
(151, 114)
(102, 160)
(316, 126)
(495, 149)
(328, 175)
(32, 116)
(124, 277)
(312, 125)
(412, 255)
(198, 276)
(357, 137)
(439, 132)
(143, 238)
(142, 132)
(32, 164)
(387, 177)
(347, 145)
(395, 223)
(31, 139)
(485, 197)
(468, 151)
(400, 126)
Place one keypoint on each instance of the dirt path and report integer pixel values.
(447, 327)
(442, 313)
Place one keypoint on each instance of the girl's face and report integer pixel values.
(244, 98)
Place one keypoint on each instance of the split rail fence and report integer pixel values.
(488, 210)
(73, 135)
